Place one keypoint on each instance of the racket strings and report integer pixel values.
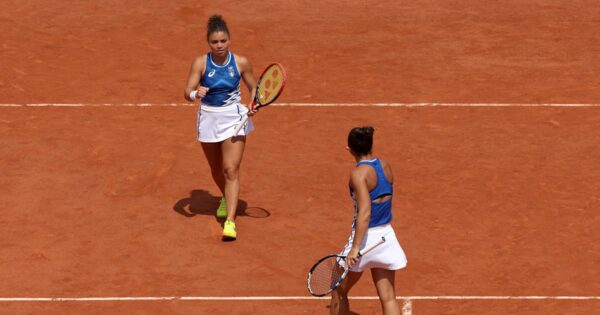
(326, 275)
(270, 84)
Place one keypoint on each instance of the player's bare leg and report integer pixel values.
(339, 297)
(214, 156)
(384, 282)
(232, 152)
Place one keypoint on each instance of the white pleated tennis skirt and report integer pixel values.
(217, 123)
(388, 255)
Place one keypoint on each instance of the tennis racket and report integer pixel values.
(269, 87)
(328, 272)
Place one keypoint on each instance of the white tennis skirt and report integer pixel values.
(217, 123)
(388, 255)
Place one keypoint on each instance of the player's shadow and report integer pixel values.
(351, 312)
(200, 202)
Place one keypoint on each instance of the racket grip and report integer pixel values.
(240, 125)
(370, 248)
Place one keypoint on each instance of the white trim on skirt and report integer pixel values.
(217, 123)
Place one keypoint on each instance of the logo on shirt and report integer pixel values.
(211, 73)
(231, 72)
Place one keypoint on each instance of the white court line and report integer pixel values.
(407, 307)
(280, 298)
(313, 105)
(439, 104)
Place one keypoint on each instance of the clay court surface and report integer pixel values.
(488, 112)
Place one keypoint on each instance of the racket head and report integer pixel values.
(270, 85)
(326, 275)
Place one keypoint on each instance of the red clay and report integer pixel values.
(117, 201)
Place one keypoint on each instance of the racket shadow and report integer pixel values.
(201, 202)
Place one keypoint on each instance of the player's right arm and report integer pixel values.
(360, 186)
(193, 81)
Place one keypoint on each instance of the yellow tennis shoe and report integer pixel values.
(229, 230)
(222, 209)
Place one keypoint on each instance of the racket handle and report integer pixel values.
(370, 248)
(240, 125)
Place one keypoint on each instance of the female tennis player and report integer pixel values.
(371, 188)
(214, 80)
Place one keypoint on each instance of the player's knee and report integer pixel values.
(231, 172)
(387, 296)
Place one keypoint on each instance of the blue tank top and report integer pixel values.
(223, 82)
(381, 212)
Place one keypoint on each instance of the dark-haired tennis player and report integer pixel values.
(214, 80)
(371, 188)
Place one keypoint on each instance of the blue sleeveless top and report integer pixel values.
(223, 82)
(381, 212)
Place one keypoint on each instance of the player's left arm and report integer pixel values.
(358, 182)
(247, 74)
(387, 170)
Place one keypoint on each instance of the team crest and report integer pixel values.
(231, 72)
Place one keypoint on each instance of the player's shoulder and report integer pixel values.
(241, 61)
(200, 61)
(358, 175)
(384, 163)
(239, 57)
(387, 169)
(361, 171)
